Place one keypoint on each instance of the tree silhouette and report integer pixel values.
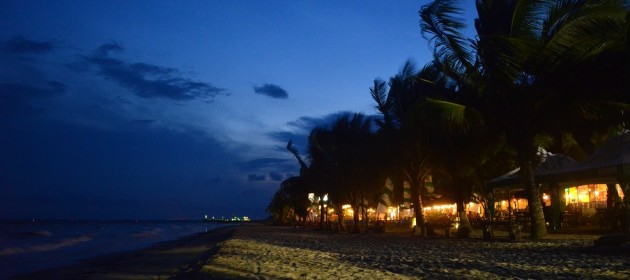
(522, 48)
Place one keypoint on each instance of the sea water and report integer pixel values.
(27, 246)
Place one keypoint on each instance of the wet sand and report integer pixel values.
(177, 259)
(264, 252)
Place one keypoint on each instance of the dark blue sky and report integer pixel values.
(173, 110)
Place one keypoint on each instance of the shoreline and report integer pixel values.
(163, 260)
(255, 251)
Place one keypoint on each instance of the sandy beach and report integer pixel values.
(264, 252)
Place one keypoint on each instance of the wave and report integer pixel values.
(147, 233)
(46, 247)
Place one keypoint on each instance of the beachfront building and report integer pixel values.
(574, 193)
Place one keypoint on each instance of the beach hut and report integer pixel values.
(507, 190)
(551, 164)
(610, 165)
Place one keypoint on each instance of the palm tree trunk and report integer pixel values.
(612, 202)
(612, 196)
(321, 212)
(363, 211)
(355, 216)
(465, 228)
(626, 212)
(416, 198)
(339, 209)
(537, 216)
(556, 206)
(292, 215)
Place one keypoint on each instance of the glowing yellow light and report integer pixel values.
(545, 197)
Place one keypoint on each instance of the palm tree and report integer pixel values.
(328, 178)
(522, 48)
(396, 102)
(462, 154)
(413, 118)
(348, 151)
(311, 180)
(290, 201)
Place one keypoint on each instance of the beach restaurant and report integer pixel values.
(574, 193)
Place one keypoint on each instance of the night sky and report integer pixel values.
(176, 109)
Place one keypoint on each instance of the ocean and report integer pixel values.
(27, 246)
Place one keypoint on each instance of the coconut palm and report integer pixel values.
(290, 201)
(328, 177)
(523, 48)
(396, 102)
(348, 151)
(413, 118)
(462, 154)
(311, 179)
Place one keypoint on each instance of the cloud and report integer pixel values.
(251, 193)
(148, 80)
(272, 91)
(282, 136)
(308, 123)
(301, 128)
(142, 122)
(15, 98)
(19, 45)
(105, 49)
(52, 88)
(263, 163)
(57, 158)
(305, 124)
(256, 177)
(276, 176)
(299, 139)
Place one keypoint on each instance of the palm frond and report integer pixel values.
(379, 95)
(527, 17)
(450, 116)
(440, 24)
(580, 29)
(408, 71)
(452, 113)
